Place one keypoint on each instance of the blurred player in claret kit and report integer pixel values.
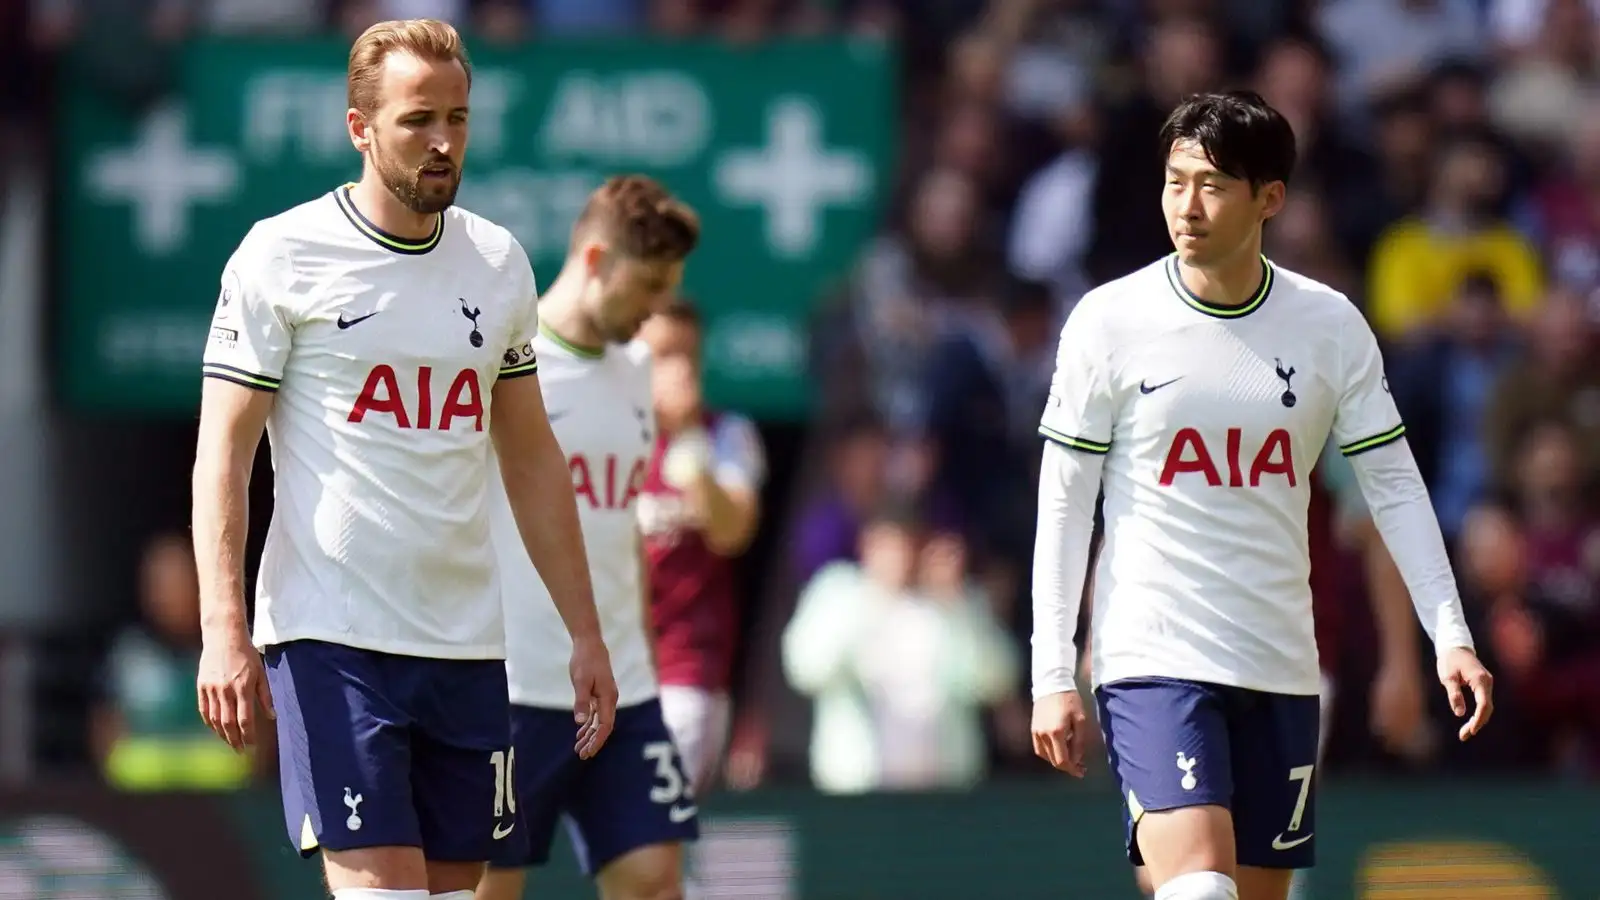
(630, 807)
(379, 335)
(699, 511)
(1198, 393)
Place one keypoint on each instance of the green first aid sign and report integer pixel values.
(785, 151)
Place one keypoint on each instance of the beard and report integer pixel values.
(407, 184)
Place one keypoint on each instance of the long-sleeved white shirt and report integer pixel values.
(1202, 425)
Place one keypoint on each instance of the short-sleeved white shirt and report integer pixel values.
(602, 414)
(382, 353)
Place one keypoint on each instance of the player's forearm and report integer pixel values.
(220, 521)
(1069, 481)
(539, 486)
(1404, 515)
(727, 516)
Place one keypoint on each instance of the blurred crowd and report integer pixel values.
(1449, 183)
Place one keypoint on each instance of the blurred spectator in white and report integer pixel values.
(1542, 95)
(1389, 45)
(1566, 208)
(901, 656)
(1516, 26)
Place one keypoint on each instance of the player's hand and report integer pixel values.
(1397, 705)
(1060, 731)
(1460, 671)
(595, 691)
(232, 688)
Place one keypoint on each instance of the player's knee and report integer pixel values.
(1198, 886)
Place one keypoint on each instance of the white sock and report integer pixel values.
(379, 894)
(453, 895)
(1199, 886)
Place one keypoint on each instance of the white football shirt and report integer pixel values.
(601, 411)
(382, 353)
(1209, 421)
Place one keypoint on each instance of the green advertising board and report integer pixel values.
(783, 148)
(1468, 840)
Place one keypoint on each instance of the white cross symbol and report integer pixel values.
(160, 174)
(794, 177)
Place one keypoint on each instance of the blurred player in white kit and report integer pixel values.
(1198, 393)
(376, 334)
(630, 808)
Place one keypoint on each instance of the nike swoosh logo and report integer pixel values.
(1152, 388)
(1278, 843)
(344, 323)
(552, 416)
(682, 814)
(500, 833)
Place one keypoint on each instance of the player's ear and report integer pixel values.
(1272, 196)
(356, 125)
(594, 257)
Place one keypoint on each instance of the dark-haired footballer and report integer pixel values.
(1198, 393)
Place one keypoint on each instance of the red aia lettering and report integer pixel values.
(583, 482)
(1189, 453)
(381, 394)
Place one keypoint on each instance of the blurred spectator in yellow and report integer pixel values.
(146, 731)
(1420, 262)
(1557, 378)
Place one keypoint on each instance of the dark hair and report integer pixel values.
(1241, 135)
(641, 218)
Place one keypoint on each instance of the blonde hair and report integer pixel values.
(641, 219)
(427, 39)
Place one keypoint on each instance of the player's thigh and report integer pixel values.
(635, 793)
(344, 758)
(545, 771)
(654, 872)
(1275, 738)
(1170, 754)
(463, 766)
(698, 720)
